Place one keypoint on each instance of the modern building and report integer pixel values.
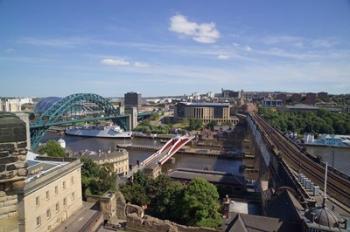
(206, 112)
(272, 103)
(52, 192)
(119, 159)
(132, 99)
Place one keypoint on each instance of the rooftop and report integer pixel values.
(211, 176)
(43, 170)
(102, 155)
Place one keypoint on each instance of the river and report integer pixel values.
(75, 144)
(337, 157)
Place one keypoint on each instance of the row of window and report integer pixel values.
(47, 194)
(57, 208)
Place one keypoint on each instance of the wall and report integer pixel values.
(13, 143)
(29, 210)
(136, 221)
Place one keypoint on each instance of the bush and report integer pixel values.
(96, 179)
(195, 204)
(52, 148)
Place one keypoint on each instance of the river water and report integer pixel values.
(337, 157)
(75, 144)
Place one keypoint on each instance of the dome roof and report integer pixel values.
(45, 103)
(323, 216)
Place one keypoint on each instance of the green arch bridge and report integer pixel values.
(75, 108)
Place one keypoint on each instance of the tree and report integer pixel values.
(165, 198)
(200, 204)
(52, 148)
(195, 124)
(193, 204)
(211, 125)
(96, 179)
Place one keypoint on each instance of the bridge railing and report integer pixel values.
(177, 146)
(154, 155)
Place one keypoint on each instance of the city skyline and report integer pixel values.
(163, 48)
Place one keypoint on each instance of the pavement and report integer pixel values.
(76, 221)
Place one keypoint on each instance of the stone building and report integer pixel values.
(52, 193)
(118, 159)
(13, 149)
(36, 193)
(206, 112)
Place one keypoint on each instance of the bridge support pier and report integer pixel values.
(153, 172)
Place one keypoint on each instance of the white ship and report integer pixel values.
(111, 131)
(328, 140)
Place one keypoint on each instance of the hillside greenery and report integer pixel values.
(194, 204)
(324, 122)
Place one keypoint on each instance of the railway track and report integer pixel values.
(338, 186)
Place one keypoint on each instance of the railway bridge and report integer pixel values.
(294, 159)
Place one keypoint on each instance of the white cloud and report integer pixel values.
(283, 39)
(223, 57)
(200, 32)
(115, 62)
(248, 48)
(123, 62)
(323, 43)
(141, 64)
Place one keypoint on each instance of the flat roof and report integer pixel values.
(41, 166)
(211, 176)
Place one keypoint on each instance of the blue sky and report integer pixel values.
(55, 48)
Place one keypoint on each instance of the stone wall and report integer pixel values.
(136, 221)
(13, 150)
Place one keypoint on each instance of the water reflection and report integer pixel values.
(76, 144)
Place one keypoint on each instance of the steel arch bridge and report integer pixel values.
(72, 109)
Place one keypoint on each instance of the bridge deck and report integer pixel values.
(298, 160)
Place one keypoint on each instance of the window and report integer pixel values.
(48, 213)
(57, 207)
(37, 201)
(73, 196)
(56, 189)
(47, 195)
(64, 185)
(38, 221)
(64, 201)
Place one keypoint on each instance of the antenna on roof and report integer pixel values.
(325, 186)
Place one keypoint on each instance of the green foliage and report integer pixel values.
(200, 204)
(52, 148)
(308, 122)
(211, 125)
(195, 124)
(194, 204)
(96, 179)
(155, 116)
(147, 128)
